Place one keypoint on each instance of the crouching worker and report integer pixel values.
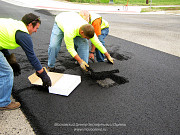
(76, 32)
(101, 28)
(13, 34)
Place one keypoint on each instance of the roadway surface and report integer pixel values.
(147, 104)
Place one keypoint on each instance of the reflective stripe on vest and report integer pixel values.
(8, 28)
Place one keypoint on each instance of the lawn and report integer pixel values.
(131, 2)
(154, 9)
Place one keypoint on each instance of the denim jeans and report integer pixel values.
(6, 81)
(99, 55)
(80, 45)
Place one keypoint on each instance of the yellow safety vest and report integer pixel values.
(70, 23)
(8, 28)
(93, 17)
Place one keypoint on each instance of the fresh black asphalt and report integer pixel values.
(147, 104)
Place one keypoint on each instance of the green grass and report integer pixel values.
(153, 9)
(131, 2)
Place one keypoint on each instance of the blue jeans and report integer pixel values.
(80, 45)
(6, 81)
(99, 55)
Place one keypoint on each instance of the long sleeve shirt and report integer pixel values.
(70, 23)
(25, 41)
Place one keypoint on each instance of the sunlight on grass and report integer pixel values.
(154, 9)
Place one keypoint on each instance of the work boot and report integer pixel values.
(11, 106)
(51, 69)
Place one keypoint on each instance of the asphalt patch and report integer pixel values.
(106, 83)
(104, 66)
(101, 78)
(120, 57)
(104, 73)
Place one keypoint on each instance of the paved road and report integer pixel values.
(144, 101)
(160, 32)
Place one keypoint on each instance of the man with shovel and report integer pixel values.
(13, 34)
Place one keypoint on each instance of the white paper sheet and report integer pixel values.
(65, 85)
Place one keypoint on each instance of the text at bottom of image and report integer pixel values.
(89, 127)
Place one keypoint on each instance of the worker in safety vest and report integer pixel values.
(13, 34)
(101, 28)
(75, 31)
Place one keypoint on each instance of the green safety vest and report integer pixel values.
(70, 23)
(104, 23)
(8, 28)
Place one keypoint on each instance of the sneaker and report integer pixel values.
(11, 106)
(51, 69)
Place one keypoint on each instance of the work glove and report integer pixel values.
(45, 78)
(15, 66)
(84, 65)
(110, 59)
